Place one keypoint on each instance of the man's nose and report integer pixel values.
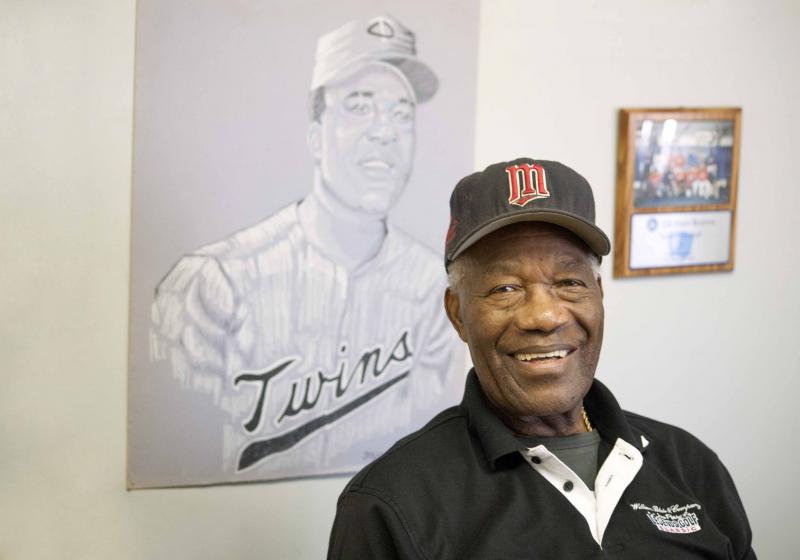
(541, 310)
(383, 129)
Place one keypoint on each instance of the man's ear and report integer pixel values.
(600, 283)
(314, 140)
(452, 306)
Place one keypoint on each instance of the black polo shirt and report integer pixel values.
(463, 487)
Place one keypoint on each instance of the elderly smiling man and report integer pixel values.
(539, 460)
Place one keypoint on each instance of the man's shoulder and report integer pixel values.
(252, 240)
(420, 456)
(404, 247)
(225, 261)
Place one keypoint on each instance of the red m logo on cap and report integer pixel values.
(526, 182)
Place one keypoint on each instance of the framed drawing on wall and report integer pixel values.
(289, 201)
(677, 172)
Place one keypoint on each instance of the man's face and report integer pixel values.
(530, 307)
(365, 146)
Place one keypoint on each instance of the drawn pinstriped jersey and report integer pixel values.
(318, 369)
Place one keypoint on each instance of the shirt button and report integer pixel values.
(535, 459)
(568, 486)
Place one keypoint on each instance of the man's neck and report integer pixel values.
(555, 425)
(347, 236)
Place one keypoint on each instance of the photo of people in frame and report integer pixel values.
(682, 163)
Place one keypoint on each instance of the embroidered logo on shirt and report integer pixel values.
(672, 519)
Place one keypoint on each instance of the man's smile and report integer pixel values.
(543, 353)
(375, 163)
(541, 356)
(376, 167)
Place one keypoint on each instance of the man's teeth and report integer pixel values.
(376, 164)
(529, 357)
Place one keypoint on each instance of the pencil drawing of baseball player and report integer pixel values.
(318, 330)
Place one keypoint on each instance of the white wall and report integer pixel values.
(716, 353)
(713, 353)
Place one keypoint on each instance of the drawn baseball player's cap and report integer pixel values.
(521, 190)
(382, 39)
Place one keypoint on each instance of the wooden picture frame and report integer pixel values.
(677, 179)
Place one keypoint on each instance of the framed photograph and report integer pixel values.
(677, 175)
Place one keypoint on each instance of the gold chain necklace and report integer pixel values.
(586, 420)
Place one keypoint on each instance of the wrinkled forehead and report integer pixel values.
(372, 77)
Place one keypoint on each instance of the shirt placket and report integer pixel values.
(614, 476)
(566, 482)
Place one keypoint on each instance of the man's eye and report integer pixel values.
(358, 105)
(359, 109)
(504, 289)
(570, 283)
(403, 115)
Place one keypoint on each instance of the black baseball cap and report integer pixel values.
(521, 190)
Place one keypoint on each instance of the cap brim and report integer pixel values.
(419, 75)
(592, 235)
